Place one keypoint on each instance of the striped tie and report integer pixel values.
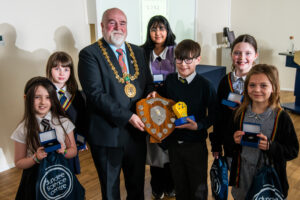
(46, 124)
(182, 80)
(62, 98)
(121, 60)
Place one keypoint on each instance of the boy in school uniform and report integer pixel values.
(187, 144)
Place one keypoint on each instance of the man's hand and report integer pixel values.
(152, 94)
(136, 122)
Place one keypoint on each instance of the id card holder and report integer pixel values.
(250, 138)
(232, 99)
(158, 78)
(49, 140)
(80, 141)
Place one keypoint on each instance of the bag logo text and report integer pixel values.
(56, 182)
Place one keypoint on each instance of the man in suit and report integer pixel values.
(114, 80)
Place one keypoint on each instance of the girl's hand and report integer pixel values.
(216, 155)
(70, 146)
(263, 143)
(61, 150)
(40, 153)
(238, 136)
(191, 125)
(86, 149)
(231, 108)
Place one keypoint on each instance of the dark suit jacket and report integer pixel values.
(108, 107)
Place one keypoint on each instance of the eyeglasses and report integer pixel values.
(187, 60)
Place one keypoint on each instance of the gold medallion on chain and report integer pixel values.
(130, 90)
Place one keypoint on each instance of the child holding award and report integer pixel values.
(277, 135)
(187, 144)
(230, 92)
(60, 70)
(42, 113)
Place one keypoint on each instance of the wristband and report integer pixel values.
(35, 159)
(65, 152)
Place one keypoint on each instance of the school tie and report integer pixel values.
(62, 98)
(46, 124)
(121, 60)
(183, 80)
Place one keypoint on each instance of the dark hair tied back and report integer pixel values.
(245, 38)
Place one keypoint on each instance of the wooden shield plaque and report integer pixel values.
(158, 117)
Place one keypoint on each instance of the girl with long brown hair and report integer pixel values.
(277, 135)
(41, 106)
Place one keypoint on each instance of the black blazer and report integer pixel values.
(77, 113)
(108, 107)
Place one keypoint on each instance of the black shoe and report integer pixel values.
(157, 196)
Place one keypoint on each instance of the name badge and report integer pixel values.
(250, 138)
(49, 140)
(157, 78)
(232, 99)
(80, 141)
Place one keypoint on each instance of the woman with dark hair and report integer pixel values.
(159, 48)
(159, 52)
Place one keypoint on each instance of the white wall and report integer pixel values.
(271, 22)
(211, 17)
(32, 30)
(36, 21)
(182, 19)
(133, 12)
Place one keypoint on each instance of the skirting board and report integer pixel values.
(287, 89)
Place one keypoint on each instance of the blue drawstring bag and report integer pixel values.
(219, 179)
(56, 180)
(266, 183)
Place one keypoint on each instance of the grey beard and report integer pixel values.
(117, 41)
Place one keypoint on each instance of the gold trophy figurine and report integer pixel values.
(180, 110)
